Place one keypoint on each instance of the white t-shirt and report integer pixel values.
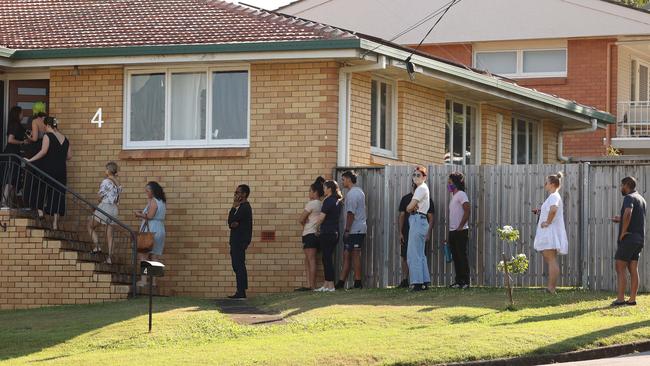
(311, 226)
(421, 195)
(456, 211)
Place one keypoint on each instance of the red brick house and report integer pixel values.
(591, 51)
(203, 95)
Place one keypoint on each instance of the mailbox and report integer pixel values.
(152, 268)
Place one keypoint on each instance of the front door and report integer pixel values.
(24, 93)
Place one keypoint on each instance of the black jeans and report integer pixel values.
(328, 242)
(238, 258)
(458, 245)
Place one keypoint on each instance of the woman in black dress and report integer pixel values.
(52, 159)
(16, 135)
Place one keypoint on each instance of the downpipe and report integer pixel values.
(560, 139)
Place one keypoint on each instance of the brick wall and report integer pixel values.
(360, 89)
(293, 140)
(421, 127)
(490, 137)
(34, 271)
(549, 138)
(460, 53)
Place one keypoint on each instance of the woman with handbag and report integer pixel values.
(153, 221)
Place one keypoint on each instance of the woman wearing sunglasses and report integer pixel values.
(418, 227)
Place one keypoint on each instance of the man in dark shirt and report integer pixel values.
(404, 233)
(240, 222)
(631, 237)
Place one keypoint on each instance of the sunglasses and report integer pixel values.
(417, 175)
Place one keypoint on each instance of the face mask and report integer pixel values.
(451, 187)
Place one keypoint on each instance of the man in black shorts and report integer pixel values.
(404, 233)
(630, 240)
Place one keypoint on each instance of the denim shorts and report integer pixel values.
(353, 242)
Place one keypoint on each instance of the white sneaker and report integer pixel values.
(320, 289)
(329, 289)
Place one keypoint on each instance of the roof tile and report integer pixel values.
(46, 24)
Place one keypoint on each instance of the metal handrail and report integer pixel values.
(116, 221)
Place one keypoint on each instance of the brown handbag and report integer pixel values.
(145, 239)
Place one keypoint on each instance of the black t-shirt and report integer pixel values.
(243, 233)
(19, 133)
(637, 222)
(332, 210)
(402, 208)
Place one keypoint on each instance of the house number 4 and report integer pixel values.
(97, 119)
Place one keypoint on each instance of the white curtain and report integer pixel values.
(229, 105)
(188, 106)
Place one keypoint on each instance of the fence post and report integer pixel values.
(385, 270)
(584, 226)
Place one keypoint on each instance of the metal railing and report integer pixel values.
(27, 189)
(633, 119)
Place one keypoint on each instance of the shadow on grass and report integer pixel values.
(588, 339)
(24, 332)
(479, 297)
(557, 316)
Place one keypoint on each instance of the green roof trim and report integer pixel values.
(490, 81)
(185, 49)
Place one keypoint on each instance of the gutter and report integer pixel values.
(343, 146)
(560, 139)
(158, 50)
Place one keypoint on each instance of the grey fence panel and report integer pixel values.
(502, 195)
(605, 202)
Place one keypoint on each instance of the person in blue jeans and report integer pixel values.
(418, 227)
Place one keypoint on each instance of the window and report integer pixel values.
(460, 138)
(525, 142)
(524, 63)
(184, 109)
(382, 119)
(497, 62)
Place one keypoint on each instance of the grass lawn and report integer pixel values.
(343, 328)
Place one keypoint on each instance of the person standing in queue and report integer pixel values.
(240, 222)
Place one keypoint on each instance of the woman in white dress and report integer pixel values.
(550, 238)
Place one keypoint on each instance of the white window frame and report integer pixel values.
(392, 152)
(475, 129)
(637, 91)
(520, 74)
(168, 143)
(539, 127)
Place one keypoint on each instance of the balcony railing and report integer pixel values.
(633, 120)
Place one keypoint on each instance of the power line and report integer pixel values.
(454, 2)
(410, 68)
(430, 16)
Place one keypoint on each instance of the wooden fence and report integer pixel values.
(503, 195)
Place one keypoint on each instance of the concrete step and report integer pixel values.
(121, 289)
(121, 278)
